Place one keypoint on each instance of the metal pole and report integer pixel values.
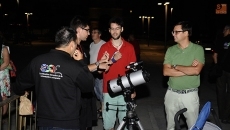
(143, 20)
(27, 19)
(166, 10)
(148, 29)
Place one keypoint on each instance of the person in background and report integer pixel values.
(221, 57)
(59, 77)
(136, 46)
(4, 73)
(183, 63)
(93, 51)
(121, 54)
(88, 112)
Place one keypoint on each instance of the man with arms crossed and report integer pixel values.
(183, 63)
(121, 55)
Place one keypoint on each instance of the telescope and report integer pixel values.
(130, 80)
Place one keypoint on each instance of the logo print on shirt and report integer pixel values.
(49, 68)
(226, 45)
(50, 71)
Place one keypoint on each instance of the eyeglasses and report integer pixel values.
(115, 29)
(176, 32)
(88, 30)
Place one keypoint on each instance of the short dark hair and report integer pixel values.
(118, 20)
(78, 21)
(64, 36)
(227, 26)
(99, 31)
(186, 26)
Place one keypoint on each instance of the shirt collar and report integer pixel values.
(124, 42)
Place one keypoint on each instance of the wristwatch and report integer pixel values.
(174, 66)
(97, 64)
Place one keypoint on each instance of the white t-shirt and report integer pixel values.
(93, 50)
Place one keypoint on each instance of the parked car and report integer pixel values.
(206, 42)
(207, 45)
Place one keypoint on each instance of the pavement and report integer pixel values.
(150, 96)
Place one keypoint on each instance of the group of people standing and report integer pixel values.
(66, 82)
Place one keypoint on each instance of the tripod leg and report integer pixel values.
(121, 125)
(139, 125)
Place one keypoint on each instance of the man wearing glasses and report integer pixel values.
(88, 111)
(121, 53)
(183, 63)
(93, 51)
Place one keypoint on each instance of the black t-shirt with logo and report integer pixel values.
(222, 48)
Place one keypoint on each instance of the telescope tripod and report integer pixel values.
(131, 120)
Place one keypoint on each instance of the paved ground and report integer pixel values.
(150, 96)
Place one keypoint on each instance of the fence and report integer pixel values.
(12, 120)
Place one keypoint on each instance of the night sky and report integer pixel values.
(55, 13)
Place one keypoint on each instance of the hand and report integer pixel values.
(195, 63)
(133, 95)
(105, 66)
(77, 55)
(117, 55)
(105, 57)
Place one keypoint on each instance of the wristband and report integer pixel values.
(113, 60)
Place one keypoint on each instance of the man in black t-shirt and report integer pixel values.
(58, 78)
(221, 57)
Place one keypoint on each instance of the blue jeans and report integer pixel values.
(98, 89)
(54, 128)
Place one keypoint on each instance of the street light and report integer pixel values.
(146, 17)
(143, 20)
(166, 16)
(18, 2)
(27, 17)
(5, 17)
(149, 27)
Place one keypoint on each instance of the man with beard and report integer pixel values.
(121, 53)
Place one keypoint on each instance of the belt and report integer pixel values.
(183, 91)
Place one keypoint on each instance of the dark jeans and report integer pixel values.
(54, 128)
(223, 96)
